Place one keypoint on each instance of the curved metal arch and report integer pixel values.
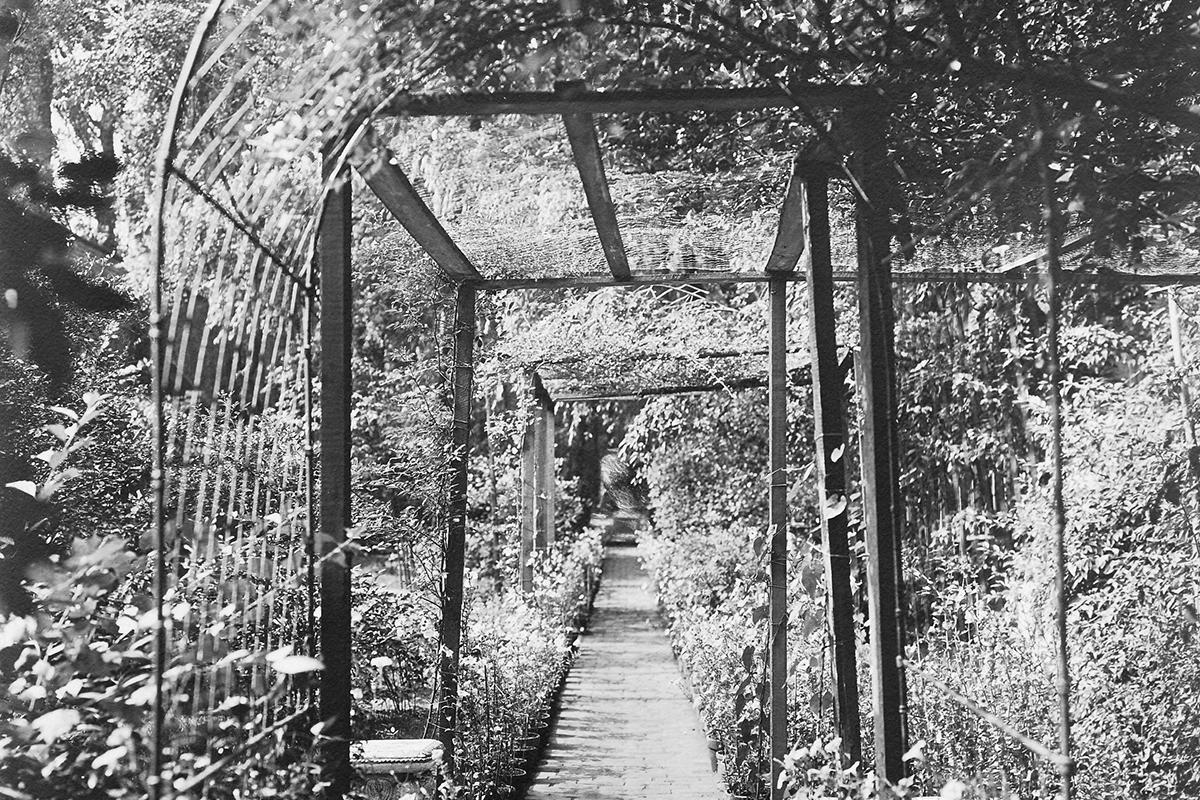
(214, 393)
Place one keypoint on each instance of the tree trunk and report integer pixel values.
(28, 90)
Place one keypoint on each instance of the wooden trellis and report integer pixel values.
(803, 230)
(576, 105)
(277, 288)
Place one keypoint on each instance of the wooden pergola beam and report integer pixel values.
(379, 169)
(789, 238)
(796, 377)
(839, 276)
(702, 354)
(585, 147)
(635, 279)
(624, 101)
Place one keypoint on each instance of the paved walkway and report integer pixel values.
(626, 730)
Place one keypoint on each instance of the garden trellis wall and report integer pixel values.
(251, 254)
(234, 346)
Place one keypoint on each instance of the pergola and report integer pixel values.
(230, 374)
(803, 231)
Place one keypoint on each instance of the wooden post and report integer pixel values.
(334, 236)
(830, 436)
(1185, 400)
(548, 488)
(778, 523)
(880, 471)
(456, 531)
(537, 459)
(529, 503)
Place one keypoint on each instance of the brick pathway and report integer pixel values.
(626, 731)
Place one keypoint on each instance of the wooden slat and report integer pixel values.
(581, 133)
(379, 169)
(456, 529)
(789, 238)
(880, 470)
(778, 527)
(829, 434)
(628, 101)
(334, 237)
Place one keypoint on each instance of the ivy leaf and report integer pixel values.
(109, 760)
(52, 457)
(61, 432)
(54, 724)
(28, 487)
(916, 752)
(835, 504)
(66, 412)
(294, 665)
(954, 790)
(56, 482)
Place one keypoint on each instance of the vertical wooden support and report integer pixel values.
(529, 490)
(336, 330)
(456, 530)
(548, 487)
(880, 470)
(537, 465)
(830, 435)
(1174, 318)
(529, 504)
(778, 522)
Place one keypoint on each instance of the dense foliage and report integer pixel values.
(977, 545)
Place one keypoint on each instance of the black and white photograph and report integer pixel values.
(599, 400)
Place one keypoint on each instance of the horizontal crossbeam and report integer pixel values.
(842, 276)
(637, 279)
(796, 377)
(623, 101)
(702, 354)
